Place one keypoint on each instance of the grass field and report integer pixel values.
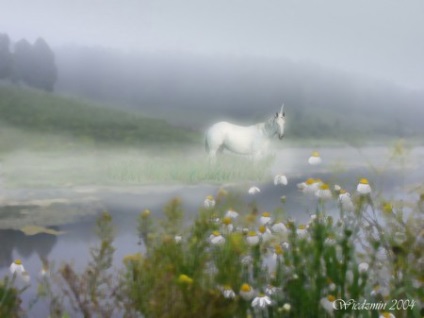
(51, 141)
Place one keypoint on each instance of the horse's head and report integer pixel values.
(279, 121)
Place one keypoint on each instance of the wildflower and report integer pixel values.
(271, 290)
(301, 231)
(132, 259)
(261, 301)
(315, 159)
(246, 292)
(363, 267)
(345, 201)
(254, 190)
(363, 187)
(331, 285)
(209, 202)
(145, 214)
(178, 238)
(386, 314)
(265, 233)
(216, 238)
(286, 307)
(280, 179)
(231, 214)
(227, 224)
(265, 218)
(17, 267)
(327, 304)
(310, 186)
(227, 292)
(337, 188)
(185, 280)
(279, 228)
(323, 192)
(252, 238)
(387, 208)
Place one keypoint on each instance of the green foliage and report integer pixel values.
(10, 302)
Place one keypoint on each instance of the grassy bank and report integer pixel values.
(31, 118)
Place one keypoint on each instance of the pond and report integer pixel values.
(79, 206)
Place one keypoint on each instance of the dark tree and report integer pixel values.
(35, 64)
(6, 60)
(45, 71)
(23, 62)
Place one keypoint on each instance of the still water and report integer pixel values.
(342, 166)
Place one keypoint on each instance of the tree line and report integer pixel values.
(31, 64)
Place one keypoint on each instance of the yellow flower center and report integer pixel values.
(342, 191)
(278, 250)
(184, 279)
(324, 186)
(216, 233)
(386, 314)
(315, 154)
(209, 197)
(145, 213)
(310, 181)
(252, 233)
(262, 229)
(301, 227)
(245, 288)
(226, 220)
(331, 298)
(363, 181)
(266, 214)
(18, 262)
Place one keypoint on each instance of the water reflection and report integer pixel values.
(16, 241)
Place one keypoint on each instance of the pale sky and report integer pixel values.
(379, 38)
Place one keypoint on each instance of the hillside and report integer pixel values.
(30, 116)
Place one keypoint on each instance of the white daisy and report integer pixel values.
(17, 267)
(178, 238)
(327, 304)
(386, 315)
(216, 238)
(209, 202)
(279, 227)
(323, 192)
(265, 233)
(315, 159)
(363, 187)
(246, 292)
(301, 231)
(363, 267)
(265, 218)
(227, 292)
(254, 190)
(280, 179)
(310, 186)
(346, 201)
(252, 238)
(231, 214)
(261, 301)
(286, 307)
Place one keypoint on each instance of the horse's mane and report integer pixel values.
(269, 127)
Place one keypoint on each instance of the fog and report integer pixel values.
(238, 59)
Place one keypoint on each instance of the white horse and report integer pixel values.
(247, 140)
